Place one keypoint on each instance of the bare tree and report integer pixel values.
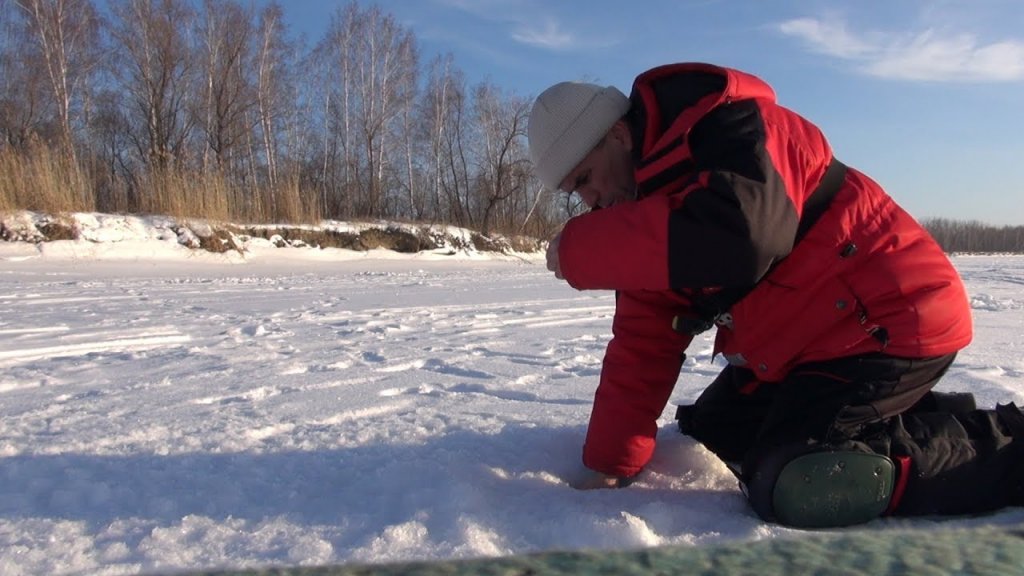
(110, 148)
(66, 35)
(457, 141)
(333, 86)
(410, 132)
(225, 33)
(388, 85)
(446, 122)
(156, 75)
(271, 62)
(281, 132)
(435, 113)
(504, 169)
(372, 62)
(25, 111)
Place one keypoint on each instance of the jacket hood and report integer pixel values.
(668, 100)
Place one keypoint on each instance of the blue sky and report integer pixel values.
(923, 95)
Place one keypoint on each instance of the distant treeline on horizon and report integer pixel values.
(956, 236)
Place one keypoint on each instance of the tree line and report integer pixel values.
(975, 237)
(214, 109)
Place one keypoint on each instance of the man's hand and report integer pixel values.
(552, 256)
(587, 479)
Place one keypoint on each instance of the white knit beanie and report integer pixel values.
(566, 122)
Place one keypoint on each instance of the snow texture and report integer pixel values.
(165, 409)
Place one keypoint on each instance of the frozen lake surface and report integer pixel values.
(167, 414)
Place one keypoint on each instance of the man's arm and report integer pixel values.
(640, 369)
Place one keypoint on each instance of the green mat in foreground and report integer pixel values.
(976, 551)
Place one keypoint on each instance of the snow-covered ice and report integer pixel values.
(165, 410)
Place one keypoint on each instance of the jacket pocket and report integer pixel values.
(776, 323)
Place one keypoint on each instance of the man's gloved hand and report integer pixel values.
(587, 479)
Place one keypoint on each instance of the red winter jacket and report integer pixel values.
(723, 172)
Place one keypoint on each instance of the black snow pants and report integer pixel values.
(956, 458)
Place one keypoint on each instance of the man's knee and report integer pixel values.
(819, 487)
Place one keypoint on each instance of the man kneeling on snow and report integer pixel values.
(712, 205)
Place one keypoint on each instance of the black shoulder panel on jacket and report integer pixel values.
(709, 242)
(678, 92)
(730, 232)
(673, 94)
(731, 138)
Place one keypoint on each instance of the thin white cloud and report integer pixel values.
(549, 34)
(929, 55)
(527, 24)
(827, 37)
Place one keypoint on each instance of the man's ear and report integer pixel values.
(620, 131)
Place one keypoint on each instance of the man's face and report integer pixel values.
(605, 176)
